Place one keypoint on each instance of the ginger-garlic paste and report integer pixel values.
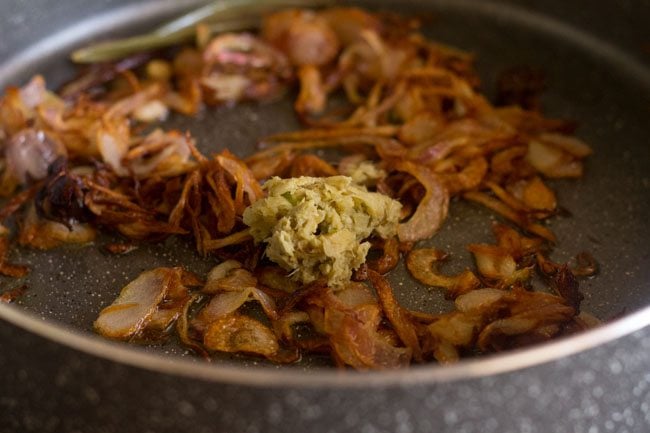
(317, 227)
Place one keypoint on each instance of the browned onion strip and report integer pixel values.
(107, 195)
(385, 146)
(509, 200)
(246, 182)
(517, 245)
(320, 134)
(552, 161)
(422, 264)
(283, 325)
(396, 314)
(169, 309)
(233, 286)
(572, 145)
(311, 165)
(177, 212)
(451, 332)
(432, 210)
(507, 160)
(369, 117)
(493, 261)
(222, 304)
(182, 328)
(389, 258)
(275, 165)
(470, 177)
(479, 300)
(233, 239)
(503, 210)
(354, 338)
(142, 229)
(536, 195)
(500, 334)
(235, 280)
(127, 105)
(276, 278)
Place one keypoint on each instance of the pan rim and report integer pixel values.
(505, 363)
(487, 366)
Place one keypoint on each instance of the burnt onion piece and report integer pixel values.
(413, 126)
(62, 197)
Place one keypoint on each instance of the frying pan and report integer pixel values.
(58, 377)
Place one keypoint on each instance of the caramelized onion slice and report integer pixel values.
(493, 261)
(44, 234)
(451, 332)
(355, 341)
(170, 308)
(235, 279)
(534, 194)
(246, 182)
(571, 145)
(221, 305)
(552, 161)
(112, 142)
(424, 126)
(236, 333)
(502, 209)
(232, 286)
(283, 327)
(135, 305)
(311, 165)
(355, 294)
(183, 328)
(500, 333)
(457, 328)
(514, 243)
(478, 300)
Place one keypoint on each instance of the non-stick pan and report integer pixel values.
(57, 376)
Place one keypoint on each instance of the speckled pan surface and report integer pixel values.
(596, 58)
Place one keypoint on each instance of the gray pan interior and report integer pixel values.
(602, 85)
